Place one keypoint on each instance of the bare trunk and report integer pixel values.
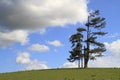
(86, 61)
(82, 62)
(79, 63)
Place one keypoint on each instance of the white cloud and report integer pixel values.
(114, 48)
(39, 14)
(39, 47)
(24, 59)
(111, 57)
(9, 38)
(108, 61)
(19, 16)
(35, 65)
(69, 65)
(102, 62)
(55, 43)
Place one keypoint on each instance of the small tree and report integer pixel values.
(76, 53)
(81, 43)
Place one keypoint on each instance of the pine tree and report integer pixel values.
(76, 53)
(81, 43)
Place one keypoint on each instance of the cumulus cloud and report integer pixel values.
(39, 14)
(9, 38)
(114, 48)
(39, 47)
(35, 65)
(55, 43)
(111, 56)
(18, 16)
(24, 59)
(108, 61)
(101, 62)
(69, 65)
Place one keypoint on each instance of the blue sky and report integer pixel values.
(34, 34)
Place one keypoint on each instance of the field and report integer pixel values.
(65, 74)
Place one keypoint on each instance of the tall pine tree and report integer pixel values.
(87, 37)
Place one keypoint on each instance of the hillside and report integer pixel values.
(65, 74)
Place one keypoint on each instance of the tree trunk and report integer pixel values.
(82, 62)
(86, 59)
(79, 63)
(86, 53)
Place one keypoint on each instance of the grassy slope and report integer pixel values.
(65, 74)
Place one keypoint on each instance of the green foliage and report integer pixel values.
(76, 40)
(65, 74)
(81, 29)
(99, 33)
(97, 50)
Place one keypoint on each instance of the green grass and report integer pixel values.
(65, 74)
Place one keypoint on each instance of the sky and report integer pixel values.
(34, 34)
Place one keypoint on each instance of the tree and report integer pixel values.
(87, 37)
(76, 53)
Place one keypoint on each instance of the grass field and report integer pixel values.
(65, 74)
